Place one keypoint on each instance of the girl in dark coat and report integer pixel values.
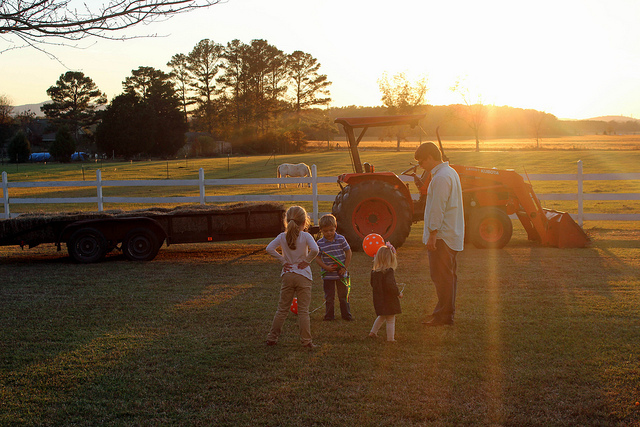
(385, 291)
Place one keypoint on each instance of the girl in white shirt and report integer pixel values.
(297, 250)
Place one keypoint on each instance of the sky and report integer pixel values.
(575, 59)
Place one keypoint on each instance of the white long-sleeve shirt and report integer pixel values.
(444, 210)
(306, 250)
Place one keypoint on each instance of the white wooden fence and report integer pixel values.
(314, 197)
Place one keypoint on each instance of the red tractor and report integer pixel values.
(380, 202)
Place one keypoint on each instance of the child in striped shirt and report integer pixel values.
(335, 257)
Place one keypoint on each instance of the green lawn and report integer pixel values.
(543, 336)
(329, 163)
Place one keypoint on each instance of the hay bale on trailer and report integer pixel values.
(90, 235)
(192, 224)
(33, 228)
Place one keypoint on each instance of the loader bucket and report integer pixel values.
(563, 232)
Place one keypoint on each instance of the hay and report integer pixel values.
(199, 209)
(37, 227)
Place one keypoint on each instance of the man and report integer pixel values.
(443, 229)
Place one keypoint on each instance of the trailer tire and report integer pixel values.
(87, 245)
(372, 207)
(490, 228)
(140, 244)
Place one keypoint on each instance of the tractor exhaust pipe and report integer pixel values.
(444, 156)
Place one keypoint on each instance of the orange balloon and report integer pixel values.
(294, 306)
(371, 243)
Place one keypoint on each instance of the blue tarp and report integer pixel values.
(46, 157)
(40, 157)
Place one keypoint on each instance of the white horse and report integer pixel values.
(291, 170)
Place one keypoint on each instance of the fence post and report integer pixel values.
(5, 195)
(580, 212)
(99, 189)
(201, 184)
(314, 189)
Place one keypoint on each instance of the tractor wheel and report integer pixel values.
(140, 244)
(87, 245)
(490, 227)
(372, 207)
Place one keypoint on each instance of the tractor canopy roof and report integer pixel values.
(379, 121)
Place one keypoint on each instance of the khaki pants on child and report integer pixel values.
(300, 286)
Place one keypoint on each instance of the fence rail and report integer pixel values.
(100, 200)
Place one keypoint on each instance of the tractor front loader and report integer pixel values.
(380, 202)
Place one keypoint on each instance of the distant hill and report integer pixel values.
(620, 119)
(35, 108)
(506, 122)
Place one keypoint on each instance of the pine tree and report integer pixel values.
(19, 148)
(63, 147)
(74, 100)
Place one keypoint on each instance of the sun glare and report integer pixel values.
(574, 59)
(494, 347)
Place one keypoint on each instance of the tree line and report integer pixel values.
(499, 122)
(259, 99)
(254, 95)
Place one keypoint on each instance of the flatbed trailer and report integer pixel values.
(89, 236)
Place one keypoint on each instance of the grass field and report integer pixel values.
(543, 336)
(578, 142)
(330, 163)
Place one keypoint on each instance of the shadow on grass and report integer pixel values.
(542, 337)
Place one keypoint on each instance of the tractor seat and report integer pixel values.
(368, 167)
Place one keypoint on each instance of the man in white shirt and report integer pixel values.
(443, 229)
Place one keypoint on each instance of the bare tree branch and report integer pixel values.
(35, 22)
(473, 113)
